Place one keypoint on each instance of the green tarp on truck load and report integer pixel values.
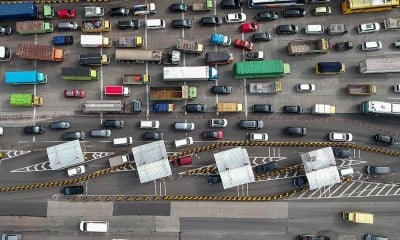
(259, 69)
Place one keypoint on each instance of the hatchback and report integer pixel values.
(129, 24)
(153, 136)
(78, 135)
(113, 123)
(196, 108)
(341, 152)
(263, 36)
(221, 89)
(293, 109)
(72, 190)
(181, 23)
(251, 124)
(211, 21)
(340, 137)
(212, 135)
(6, 30)
(34, 129)
(295, 131)
(178, 7)
(267, 16)
(66, 13)
(305, 87)
(74, 93)
(267, 167)
(368, 27)
(218, 122)
(263, 108)
(248, 27)
(381, 138)
(371, 46)
(119, 12)
(294, 12)
(287, 29)
(60, 125)
(235, 17)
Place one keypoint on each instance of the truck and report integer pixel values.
(361, 89)
(219, 39)
(337, 29)
(24, 11)
(25, 100)
(229, 107)
(343, 46)
(272, 87)
(112, 106)
(141, 56)
(301, 47)
(63, 40)
(221, 57)
(197, 73)
(129, 42)
(173, 93)
(143, 9)
(93, 59)
(40, 52)
(128, 79)
(119, 160)
(189, 46)
(117, 91)
(206, 5)
(79, 73)
(163, 107)
(33, 27)
(380, 65)
(391, 24)
(329, 68)
(95, 25)
(96, 41)
(254, 56)
(323, 109)
(358, 217)
(25, 77)
(380, 107)
(260, 69)
(5, 53)
(94, 11)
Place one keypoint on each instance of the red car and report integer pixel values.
(66, 13)
(248, 27)
(243, 44)
(74, 93)
(212, 135)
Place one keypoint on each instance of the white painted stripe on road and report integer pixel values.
(371, 191)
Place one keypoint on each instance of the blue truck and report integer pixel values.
(63, 40)
(20, 11)
(163, 107)
(219, 39)
(25, 77)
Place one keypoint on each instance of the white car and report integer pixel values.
(340, 137)
(218, 122)
(76, 170)
(258, 137)
(305, 87)
(235, 17)
(368, 27)
(370, 46)
(396, 88)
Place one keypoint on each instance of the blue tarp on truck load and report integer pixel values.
(329, 67)
(20, 11)
(163, 107)
(62, 40)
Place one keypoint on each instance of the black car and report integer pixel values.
(196, 108)
(34, 129)
(231, 4)
(294, 12)
(129, 24)
(178, 7)
(341, 152)
(153, 136)
(287, 29)
(72, 190)
(292, 109)
(78, 135)
(6, 30)
(214, 179)
(263, 108)
(343, 46)
(380, 138)
(267, 167)
(119, 12)
(181, 23)
(251, 124)
(295, 131)
(221, 89)
(113, 123)
(267, 16)
(211, 21)
(261, 36)
(300, 181)
(60, 125)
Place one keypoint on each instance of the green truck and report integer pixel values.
(79, 73)
(260, 69)
(173, 93)
(25, 100)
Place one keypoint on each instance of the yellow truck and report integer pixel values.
(358, 217)
(229, 107)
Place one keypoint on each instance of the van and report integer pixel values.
(330, 68)
(155, 24)
(377, 169)
(221, 57)
(183, 161)
(346, 171)
(149, 124)
(187, 141)
(314, 29)
(119, 142)
(100, 133)
(94, 226)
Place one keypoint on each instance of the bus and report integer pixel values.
(274, 3)
(380, 107)
(362, 6)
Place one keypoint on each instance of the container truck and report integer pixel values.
(301, 47)
(25, 77)
(136, 79)
(219, 39)
(221, 57)
(79, 73)
(358, 217)
(143, 9)
(117, 91)
(63, 40)
(272, 87)
(142, 56)
(189, 46)
(119, 160)
(229, 107)
(93, 59)
(93, 11)
(129, 42)
(323, 109)
(97, 41)
(114, 106)
(361, 89)
(33, 27)
(391, 24)
(206, 5)
(173, 93)
(96, 25)
(163, 107)
(40, 52)
(380, 107)
(260, 69)
(198, 73)
(25, 100)
(380, 65)
(5, 54)
(24, 11)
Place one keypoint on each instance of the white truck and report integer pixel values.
(196, 73)
(95, 41)
(323, 109)
(391, 24)
(94, 11)
(151, 124)
(119, 160)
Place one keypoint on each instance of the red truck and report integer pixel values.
(117, 91)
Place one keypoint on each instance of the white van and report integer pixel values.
(314, 29)
(150, 124)
(155, 23)
(187, 141)
(94, 226)
(118, 142)
(346, 171)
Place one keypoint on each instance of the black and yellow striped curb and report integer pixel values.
(52, 1)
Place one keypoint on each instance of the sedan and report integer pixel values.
(221, 89)
(381, 138)
(6, 30)
(368, 27)
(178, 7)
(119, 12)
(293, 109)
(60, 125)
(235, 17)
(78, 135)
(340, 137)
(287, 29)
(211, 21)
(295, 131)
(267, 16)
(263, 36)
(294, 12)
(305, 87)
(66, 13)
(218, 122)
(34, 129)
(153, 136)
(196, 108)
(263, 108)
(251, 124)
(72, 190)
(371, 46)
(248, 27)
(74, 93)
(212, 135)
(181, 23)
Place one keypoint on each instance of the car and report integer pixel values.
(287, 29)
(343, 46)
(340, 137)
(212, 135)
(243, 44)
(74, 93)
(184, 126)
(11, 236)
(1, 131)
(196, 108)
(119, 12)
(251, 124)
(311, 237)
(111, 123)
(305, 87)
(262, 36)
(374, 237)
(341, 152)
(368, 27)
(211, 21)
(100, 133)
(266, 167)
(218, 122)
(235, 17)
(178, 7)
(293, 109)
(78, 135)
(294, 12)
(254, 56)
(267, 16)
(65, 26)
(72, 190)
(182, 23)
(129, 24)
(60, 125)
(6, 30)
(248, 27)
(377, 169)
(321, 11)
(76, 170)
(153, 136)
(300, 181)
(371, 46)
(263, 108)
(231, 4)
(396, 88)
(34, 129)
(221, 89)
(66, 13)
(381, 138)
(258, 137)
(295, 131)
(214, 179)
(396, 44)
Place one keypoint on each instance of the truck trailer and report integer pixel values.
(117, 91)
(142, 56)
(24, 11)
(5, 54)
(25, 100)
(260, 69)
(301, 47)
(25, 77)
(361, 89)
(358, 217)
(79, 73)
(112, 106)
(119, 160)
(173, 93)
(93, 59)
(129, 42)
(136, 79)
(33, 27)
(229, 107)
(95, 41)
(272, 87)
(95, 25)
(380, 107)
(189, 46)
(163, 107)
(40, 52)
(197, 73)
(323, 109)
(380, 65)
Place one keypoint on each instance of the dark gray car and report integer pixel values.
(78, 135)
(211, 21)
(181, 23)
(196, 108)
(251, 124)
(60, 125)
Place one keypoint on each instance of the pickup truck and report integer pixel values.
(129, 42)
(343, 46)
(93, 11)
(143, 9)
(243, 44)
(163, 107)
(254, 56)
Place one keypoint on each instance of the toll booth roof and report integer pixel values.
(65, 155)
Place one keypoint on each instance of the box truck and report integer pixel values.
(95, 41)
(117, 91)
(25, 77)
(79, 73)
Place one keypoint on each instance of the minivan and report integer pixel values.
(118, 142)
(187, 141)
(155, 24)
(94, 226)
(100, 133)
(377, 169)
(314, 29)
(183, 126)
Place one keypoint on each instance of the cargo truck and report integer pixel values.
(189, 46)
(380, 65)
(221, 57)
(24, 11)
(323, 109)
(380, 107)
(143, 9)
(33, 27)
(229, 107)
(112, 106)
(361, 89)
(40, 52)
(94, 11)
(79, 73)
(152, 56)
(272, 87)
(163, 107)
(129, 42)
(5, 54)
(97, 41)
(25, 77)
(330, 68)
(198, 73)
(117, 91)
(93, 59)
(301, 47)
(206, 5)
(96, 26)
(358, 217)
(63, 40)
(219, 39)
(136, 79)
(119, 160)
(391, 24)
(173, 93)
(260, 69)
(25, 100)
